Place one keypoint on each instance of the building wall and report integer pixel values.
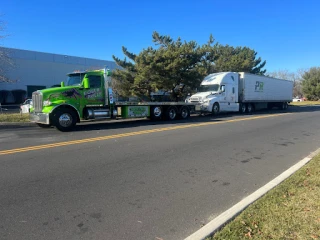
(43, 69)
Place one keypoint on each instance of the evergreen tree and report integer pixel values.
(311, 84)
(172, 66)
(178, 66)
(239, 59)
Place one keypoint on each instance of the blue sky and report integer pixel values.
(285, 33)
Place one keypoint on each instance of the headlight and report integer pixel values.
(46, 103)
(206, 100)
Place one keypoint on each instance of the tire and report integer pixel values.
(184, 112)
(249, 108)
(64, 119)
(171, 113)
(215, 109)
(287, 105)
(243, 108)
(156, 113)
(283, 106)
(44, 125)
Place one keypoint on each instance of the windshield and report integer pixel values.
(209, 88)
(74, 79)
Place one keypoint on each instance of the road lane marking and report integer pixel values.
(225, 217)
(122, 135)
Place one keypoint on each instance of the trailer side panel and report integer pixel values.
(255, 88)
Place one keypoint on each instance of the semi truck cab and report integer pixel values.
(218, 92)
(86, 95)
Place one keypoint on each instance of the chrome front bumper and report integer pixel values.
(202, 108)
(39, 118)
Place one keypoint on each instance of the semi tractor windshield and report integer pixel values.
(209, 88)
(74, 79)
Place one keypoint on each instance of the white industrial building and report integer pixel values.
(37, 70)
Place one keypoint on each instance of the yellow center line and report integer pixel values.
(122, 135)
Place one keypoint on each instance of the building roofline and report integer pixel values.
(65, 55)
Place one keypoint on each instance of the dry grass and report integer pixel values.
(14, 117)
(305, 103)
(289, 211)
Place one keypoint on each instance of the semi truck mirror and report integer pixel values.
(86, 83)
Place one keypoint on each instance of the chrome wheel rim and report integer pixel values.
(157, 111)
(65, 120)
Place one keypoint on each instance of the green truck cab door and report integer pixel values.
(93, 95)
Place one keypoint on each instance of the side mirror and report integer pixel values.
(86, 83)
(62, 84)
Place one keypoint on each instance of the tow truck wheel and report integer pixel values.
(184, 112)
(171, 113)
(215, 109)
(156, 113)
(64, 119)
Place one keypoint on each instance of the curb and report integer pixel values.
(232, 212)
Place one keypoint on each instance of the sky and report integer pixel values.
(285, 33)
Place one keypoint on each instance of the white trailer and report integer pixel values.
(244, 92)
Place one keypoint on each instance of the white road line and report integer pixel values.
(232, 212)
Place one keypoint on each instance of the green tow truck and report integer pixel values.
(88, 96)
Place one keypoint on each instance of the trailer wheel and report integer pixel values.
(171, 113)
(184, 113)
(64, 119)
(243, 108)
(284, 106)
(215, 109)
(156, 113)
(249, 108)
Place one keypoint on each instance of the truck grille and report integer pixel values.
(195, 99)
(37, 101)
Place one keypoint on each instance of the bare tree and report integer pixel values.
(5, 61)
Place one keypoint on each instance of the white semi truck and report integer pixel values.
(241, 92)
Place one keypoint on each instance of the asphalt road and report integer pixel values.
(141, 179)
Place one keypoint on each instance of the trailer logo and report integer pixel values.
(259, 86)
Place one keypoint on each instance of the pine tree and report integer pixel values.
(311, 84)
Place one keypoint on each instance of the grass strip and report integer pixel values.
(14, 117)
(305, 103)
(289, 211)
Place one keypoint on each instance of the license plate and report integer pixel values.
(198, 108)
